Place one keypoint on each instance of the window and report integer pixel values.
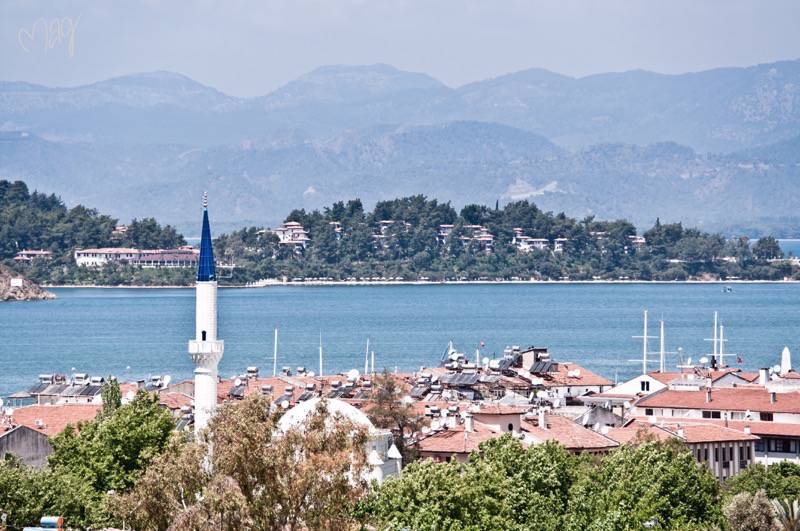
(648, 411)
(766, 417)
(711, 414)
(760, 445)
(510, 427)
(645, 385)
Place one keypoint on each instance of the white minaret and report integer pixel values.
(205, 349)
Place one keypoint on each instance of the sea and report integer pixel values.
(138, 333)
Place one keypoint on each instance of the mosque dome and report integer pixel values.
(296, 416)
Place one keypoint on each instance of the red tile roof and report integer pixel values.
(54, 417)
(692, 433)
(774, 429)
(174, 401)
(727, 399)
(456, 440)
(568, 433)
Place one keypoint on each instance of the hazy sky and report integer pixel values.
(248, 48)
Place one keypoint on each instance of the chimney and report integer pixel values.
(451, 420)
(786, 361)
(468, 422)
(747, 430)
(773, 397)
(542, 419)
(708, 395)
(763, 376)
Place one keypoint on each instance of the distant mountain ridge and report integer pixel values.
(714, 148)
(725, 109)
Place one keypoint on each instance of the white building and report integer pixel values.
(102, 256)
(292, 234)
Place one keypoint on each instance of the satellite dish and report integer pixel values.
(485, 361)
(689, 361)
(353, 374)
(776, 369)
(237, 382)
(310, 374)
(704, 360)
(167, 379)
(285, 404)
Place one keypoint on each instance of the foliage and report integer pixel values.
(255, 478)
(388, 410)
(111, 397)
(649, 482)
(106, 454)
(506, 486)
(787, 514)
(779, 481)
(411, 247)
(32, 220)
(750, 512)
(503, 487)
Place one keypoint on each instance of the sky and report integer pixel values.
(248, 48)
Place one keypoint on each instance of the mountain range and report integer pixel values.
(715, 148)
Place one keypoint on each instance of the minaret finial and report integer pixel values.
(205, 200)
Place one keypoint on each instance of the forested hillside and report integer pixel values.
(37, 221)
(402, 239)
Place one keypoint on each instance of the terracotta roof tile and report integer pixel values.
(728, 399)
(456, 440)
(54, 417)
(568, 433)
(692, 433)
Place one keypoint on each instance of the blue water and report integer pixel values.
(790, 247)
(104, 331)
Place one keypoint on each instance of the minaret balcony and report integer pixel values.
(206, 347)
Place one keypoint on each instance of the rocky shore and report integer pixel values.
(15, 287)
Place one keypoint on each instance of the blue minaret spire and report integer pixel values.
(205, 267)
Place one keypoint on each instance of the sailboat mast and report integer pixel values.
(275, 355)
(366, 359)
(644, 345)
(715, 334)
(662, 353)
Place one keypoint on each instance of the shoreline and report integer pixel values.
(423, 283)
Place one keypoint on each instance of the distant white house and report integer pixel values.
(102, 256)
(291, 234)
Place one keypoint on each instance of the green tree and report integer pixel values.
(779, 481)
(767, 248)
(651, 482)
(111, 397)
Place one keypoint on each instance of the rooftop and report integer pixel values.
(724, 399)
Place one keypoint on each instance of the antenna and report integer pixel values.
(275, 355)
(205, 200)
(373, 363)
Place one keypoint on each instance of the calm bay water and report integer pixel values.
(102, 331)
